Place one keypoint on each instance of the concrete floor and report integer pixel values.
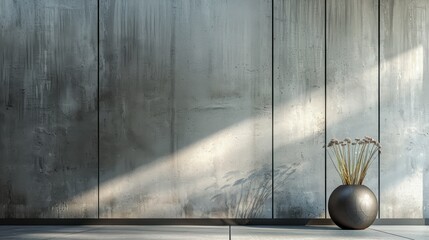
(210, 232)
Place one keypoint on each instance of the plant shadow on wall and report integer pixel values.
(128, 180)
(246, 197)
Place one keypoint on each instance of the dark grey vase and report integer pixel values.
(352, 206)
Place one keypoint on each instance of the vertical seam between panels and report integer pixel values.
(98, 108)
(326, 189)
(272, 108)
(379, 43)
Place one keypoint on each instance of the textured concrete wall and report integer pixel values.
(299, 103)
(185, 108)
(404, 109)
(351, 77)
(48, 113)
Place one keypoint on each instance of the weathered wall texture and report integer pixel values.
(404, 109)
(351, 77)
(185, 108)
(299, 103)
(48, 113)
(186, 90)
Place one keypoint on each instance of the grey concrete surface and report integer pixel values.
(319, 232)
(411, 232)
(211, 232)
(40, 232)
(116, 232)
(48, 109)
(404, 87)
(185, 108)
(185, 105)
(299, 103)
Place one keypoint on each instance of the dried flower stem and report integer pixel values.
(353, 158)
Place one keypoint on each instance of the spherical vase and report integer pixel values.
(352, 206)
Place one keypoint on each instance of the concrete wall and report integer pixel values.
(48, 113)
(404, 116)
(299, 113)
(185, 108)
(199, 111)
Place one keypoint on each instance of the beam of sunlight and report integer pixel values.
(160, 187)
(404, 135)
(169, 180)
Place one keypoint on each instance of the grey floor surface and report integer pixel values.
(211, 232)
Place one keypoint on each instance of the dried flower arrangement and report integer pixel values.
(353, 158)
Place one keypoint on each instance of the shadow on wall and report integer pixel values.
(196, 204)
(246, 197)
(181, 180)
(175, 176)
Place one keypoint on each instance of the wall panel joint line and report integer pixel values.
(325, 113)
(272, 108)
(378, 82)
(98, 108)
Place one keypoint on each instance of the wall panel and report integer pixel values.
(185, 108)
(404, 109)
(48, 109)
(299, 108)
(352, 77)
